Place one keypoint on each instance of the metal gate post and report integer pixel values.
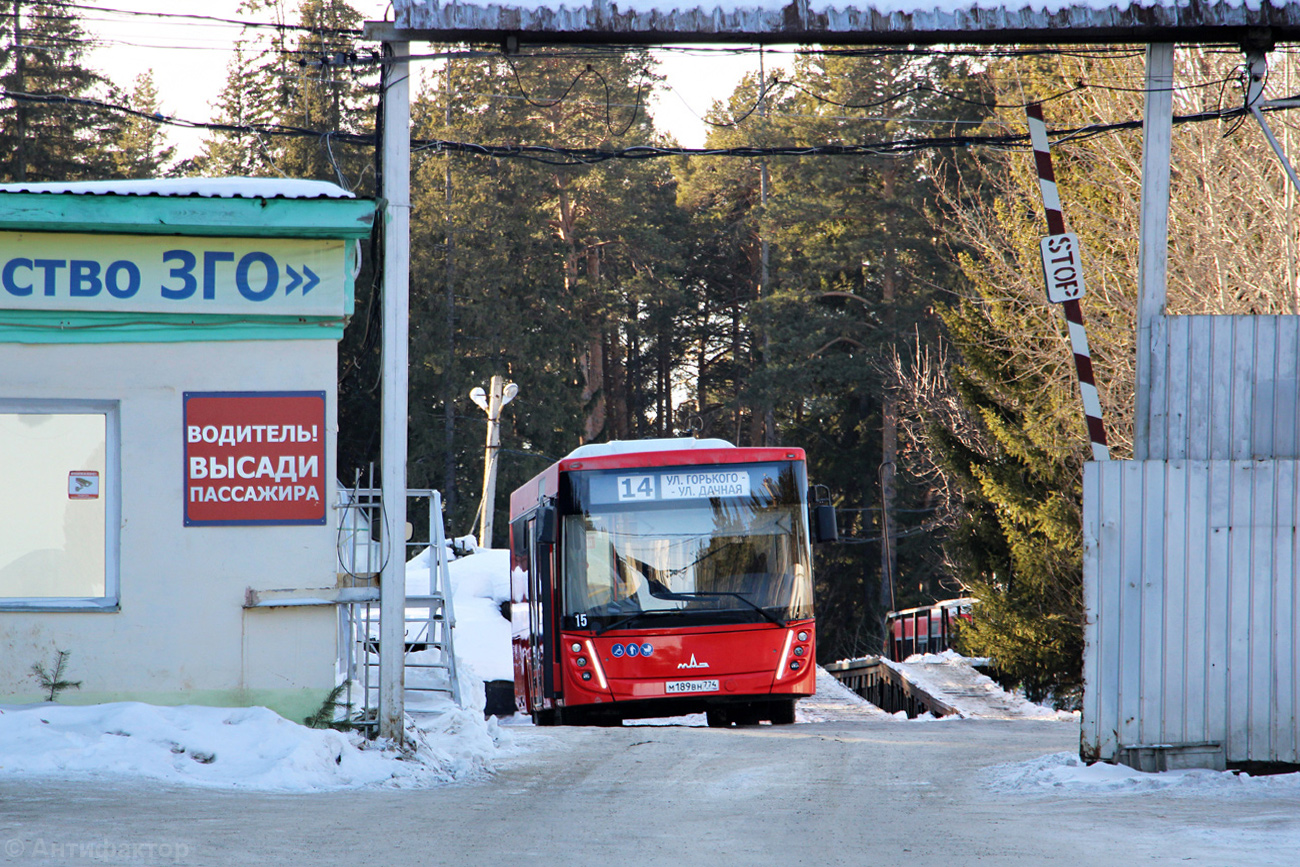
(1153, 243)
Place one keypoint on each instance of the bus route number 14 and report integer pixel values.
(636, 488)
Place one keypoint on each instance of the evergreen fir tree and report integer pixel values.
(852, 271)
(299, 76)
(60, 138)
(232, 154)
(141, 150)
(1005, 431)
(558, 277)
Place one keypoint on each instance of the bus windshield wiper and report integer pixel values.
(662, 592)
(623, 621)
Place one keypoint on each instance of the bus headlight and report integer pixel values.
(802, 636)
(595, 664)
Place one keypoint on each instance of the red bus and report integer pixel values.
(657, 578)
(929, 629)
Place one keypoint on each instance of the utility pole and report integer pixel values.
(888, 562)
(764, 279)
(393, 401)
(499, 394)
(20, 107)
(889, 416)
(448, 393)
(1153, 235)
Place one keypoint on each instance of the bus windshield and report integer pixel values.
(653, 547)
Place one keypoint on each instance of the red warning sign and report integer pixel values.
(254, 458)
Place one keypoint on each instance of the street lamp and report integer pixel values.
(498, 395)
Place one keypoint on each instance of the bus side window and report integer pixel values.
(519, 538)
(519, 562)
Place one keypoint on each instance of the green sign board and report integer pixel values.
(169, 274)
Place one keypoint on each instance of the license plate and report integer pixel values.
(680, 686)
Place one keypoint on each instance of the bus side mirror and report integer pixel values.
(546, 526)
(825, 527)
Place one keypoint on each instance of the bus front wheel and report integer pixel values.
(739, 714)
(783, 712)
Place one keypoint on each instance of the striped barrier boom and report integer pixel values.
(1070, 306)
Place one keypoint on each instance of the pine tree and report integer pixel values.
(327, 94)
(299, 77)
(53, 137)
(141, 150)
(852, 271)
(1004, 432)
(558, 277)
(237, 153)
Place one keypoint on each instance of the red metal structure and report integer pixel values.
(930, 629)
(664, 577)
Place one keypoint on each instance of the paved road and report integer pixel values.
(851, 792)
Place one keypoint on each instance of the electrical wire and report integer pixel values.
(637, 106)
(935, 90)
(514, 70)
(587, 156)
(214, 19)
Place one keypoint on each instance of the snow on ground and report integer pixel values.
(834, 701)
(238, 748)
(1066, 774)
(951, 678)
(256, 749)
(480, 582)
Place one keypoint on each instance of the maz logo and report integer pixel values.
(692, 663)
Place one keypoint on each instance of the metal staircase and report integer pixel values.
(429, 617)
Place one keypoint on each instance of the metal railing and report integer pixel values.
(429, 617)
(886, 688)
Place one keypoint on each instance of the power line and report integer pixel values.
(188, 16)
(589, 156)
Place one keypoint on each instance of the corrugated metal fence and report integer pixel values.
(1193, 632)
(1225, 388)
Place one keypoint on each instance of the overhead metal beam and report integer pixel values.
(860, 23)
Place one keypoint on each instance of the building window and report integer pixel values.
(60, 507)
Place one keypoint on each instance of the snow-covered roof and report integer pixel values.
(631, 447)
(223, 188)
(843, 22)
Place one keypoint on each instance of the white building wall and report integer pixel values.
(181, 634)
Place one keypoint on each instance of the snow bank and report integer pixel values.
(952, 679)
(255, 748)
(238, 748)
(1065, 774)
(833, 702)
(480, 582)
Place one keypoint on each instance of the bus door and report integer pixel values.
(541, 638)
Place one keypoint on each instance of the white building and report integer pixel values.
(167, 437)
